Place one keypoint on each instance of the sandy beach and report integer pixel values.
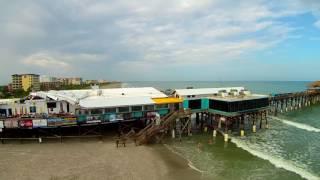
(91, 159)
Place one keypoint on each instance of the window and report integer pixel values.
(195, 104)
(149, 108)
(51, 104)
(96, 111)
(123, 109)
(33, 109)
(110, 110)
(161, 106)
(136, 108)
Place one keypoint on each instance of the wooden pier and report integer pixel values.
(281, 103)
(226, 123)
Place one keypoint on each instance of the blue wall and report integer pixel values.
(204, 103)
(186, 104)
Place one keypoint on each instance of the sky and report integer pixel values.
(151, 40)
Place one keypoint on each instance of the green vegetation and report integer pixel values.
(19, 93)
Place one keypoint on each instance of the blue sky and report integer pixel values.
(161, 39)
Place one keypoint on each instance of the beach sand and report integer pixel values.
(91, 159)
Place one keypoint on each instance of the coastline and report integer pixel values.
(179, 167)
(81, 160)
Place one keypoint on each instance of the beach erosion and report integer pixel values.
(91, 159)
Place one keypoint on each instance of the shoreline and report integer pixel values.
(179, 166)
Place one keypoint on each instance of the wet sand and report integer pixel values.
(91, 159)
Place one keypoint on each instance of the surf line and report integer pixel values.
(297, 125)
(276, 161)
(190, 164)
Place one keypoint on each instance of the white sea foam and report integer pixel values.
(276, 161)
(190, 164)
(298, 125)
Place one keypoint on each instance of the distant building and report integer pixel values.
(16, 82)
(10, 87)
(26, 82)
(103, 81)
(46, 86)
(70, 81)
(45, 79)
(91, 82)
(96, 81)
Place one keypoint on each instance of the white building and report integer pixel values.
(45, 78)
(68, 101)
(205, 92)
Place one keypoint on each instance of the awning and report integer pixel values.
(169, 100)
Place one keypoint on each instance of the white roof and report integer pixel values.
(7, 101)
(240, 98)
(88, 96)
(103, 102)
(204, 91)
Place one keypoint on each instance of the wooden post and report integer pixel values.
(260, 121)
(266, 117)
(189, 126)
(60, 132)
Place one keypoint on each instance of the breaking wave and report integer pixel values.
(276, 161)
(190, 164)
(297, 125)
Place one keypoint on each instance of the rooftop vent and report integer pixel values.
(245, 93)
(233, 93)
(222, 94)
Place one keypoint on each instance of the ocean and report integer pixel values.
(290, 149)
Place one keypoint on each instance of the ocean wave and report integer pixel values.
(297, 125)
(190, 164)
(276, 161)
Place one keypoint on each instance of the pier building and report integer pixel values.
(224, 110)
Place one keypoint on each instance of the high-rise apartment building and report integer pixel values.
(26, 82)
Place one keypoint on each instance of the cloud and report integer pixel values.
(42, 60)
(317, 24)
(96, 37)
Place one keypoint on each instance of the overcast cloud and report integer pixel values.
(154, 40)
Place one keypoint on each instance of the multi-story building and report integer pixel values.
(16, 82)
(26, 82)
(46, 86)
(46, 79)
(91, 82)
(70, 81)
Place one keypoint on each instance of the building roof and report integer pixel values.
(204, 91)
(77, 96)
(104, 102)
(8, 101)
(25, 74)
(239, 97)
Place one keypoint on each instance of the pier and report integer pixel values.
(144, 115)
(286, 102)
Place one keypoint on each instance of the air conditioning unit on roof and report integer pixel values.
(245, 93)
